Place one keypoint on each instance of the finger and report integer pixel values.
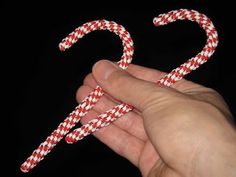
(135, 70)
(123, 86)
(151, 75)
(121, 142)
(183, 85)
(117, 139)
(131, 122)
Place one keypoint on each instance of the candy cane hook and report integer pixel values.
(177, 74)
(87, 104)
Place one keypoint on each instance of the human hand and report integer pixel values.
(173, 132)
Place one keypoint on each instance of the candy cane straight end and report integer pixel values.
(61, 47)
(69, 140)
(24, 169)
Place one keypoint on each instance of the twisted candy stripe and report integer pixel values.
(87, 104)
(193, 63)
(119, 110)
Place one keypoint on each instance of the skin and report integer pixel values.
(182, 131)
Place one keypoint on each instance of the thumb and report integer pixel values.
(123, 86)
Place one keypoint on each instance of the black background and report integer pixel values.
(41, 81)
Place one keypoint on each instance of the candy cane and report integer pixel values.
(177, 74)
(119, 110)
(88, 103)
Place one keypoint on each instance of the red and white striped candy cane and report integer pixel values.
(119, 110)
(88, 103)
(193, 63)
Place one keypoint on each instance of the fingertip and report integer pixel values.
(103, 69)
(82, 92)
(90, 81)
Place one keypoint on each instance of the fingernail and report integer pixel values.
(103, 69)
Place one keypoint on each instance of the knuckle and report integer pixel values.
(120, 78)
